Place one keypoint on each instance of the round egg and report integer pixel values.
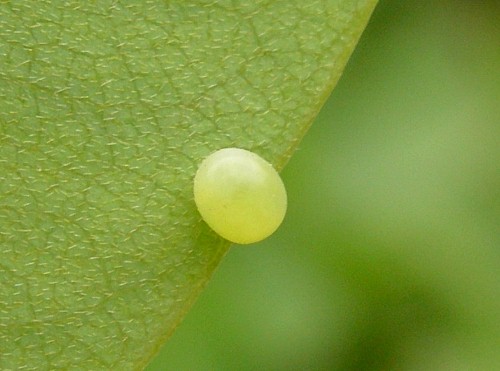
(240, 195)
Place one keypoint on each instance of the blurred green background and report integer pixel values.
(389, 257)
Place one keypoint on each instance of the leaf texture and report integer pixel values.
(106, 109)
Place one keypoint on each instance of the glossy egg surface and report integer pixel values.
(240, 195)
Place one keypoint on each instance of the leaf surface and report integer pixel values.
(106, 109)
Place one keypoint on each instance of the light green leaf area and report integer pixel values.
(106, 109)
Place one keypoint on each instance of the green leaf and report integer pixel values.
(106, 108)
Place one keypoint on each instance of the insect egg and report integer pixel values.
(239, 195)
